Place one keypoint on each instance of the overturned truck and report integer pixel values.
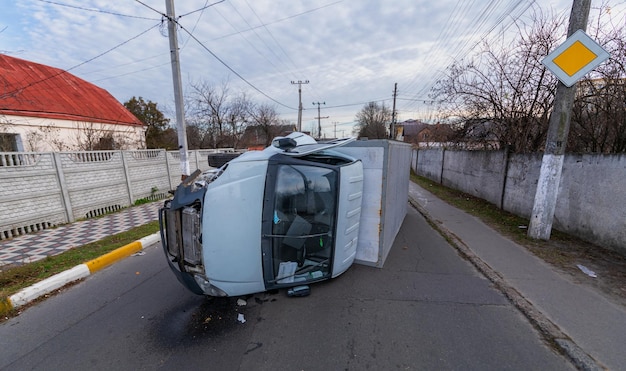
(282, 217)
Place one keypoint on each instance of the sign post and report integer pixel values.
(578, 55)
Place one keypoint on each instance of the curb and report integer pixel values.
(551, 332)
(79, 272)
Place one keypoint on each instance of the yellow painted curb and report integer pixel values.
(115, 255)
(5, 306)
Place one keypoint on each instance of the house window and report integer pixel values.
(10, 142)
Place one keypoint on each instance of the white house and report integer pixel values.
(43, 108)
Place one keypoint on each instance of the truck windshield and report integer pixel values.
(303, 222)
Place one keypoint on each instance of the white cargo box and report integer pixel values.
(386, 169)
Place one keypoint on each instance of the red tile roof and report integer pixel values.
(35, 90)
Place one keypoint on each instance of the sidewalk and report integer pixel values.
(37, 246)
(580, 320)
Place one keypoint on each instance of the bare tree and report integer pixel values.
(219, 117)
(45, 136)
(504, 89)
(372, 121)
(504, 93)
(599, 113)
(210, 110)
(266, 119)
(238, 118)
(88, 136)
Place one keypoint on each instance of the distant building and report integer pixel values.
(425, 135)
(408, 130)
(479, 135)
(260, 136)
(44, 108)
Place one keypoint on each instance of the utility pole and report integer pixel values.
(300, 101)
(178, 90)
(335, 126)
(319, 117)
(392, 129)
(558, 130)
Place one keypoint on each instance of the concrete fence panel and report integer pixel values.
(95, 181)
(590, 204)
(430, 163)
(41, 190)
(521, 183)
(147, 171)
(479, 173)
(592, 200)
(30, 194)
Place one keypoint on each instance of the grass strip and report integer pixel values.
(503, 221)
(15, 278)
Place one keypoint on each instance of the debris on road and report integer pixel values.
(586, 270)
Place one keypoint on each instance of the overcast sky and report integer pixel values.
(351, 51)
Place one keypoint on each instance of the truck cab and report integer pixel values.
(282, 217)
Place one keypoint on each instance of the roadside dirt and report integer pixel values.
(609, 267)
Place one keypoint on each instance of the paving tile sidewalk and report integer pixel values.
(32, 247)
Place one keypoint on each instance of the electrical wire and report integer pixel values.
(80, 64)
(479, 23)
(151, 8)
(191, 35)
(267, 46)
(96, 10)
(201, 9)
(232, 70)
(279, 20)
(250, 43)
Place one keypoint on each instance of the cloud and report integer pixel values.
(351, 51)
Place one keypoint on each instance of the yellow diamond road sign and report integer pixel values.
(573, 59)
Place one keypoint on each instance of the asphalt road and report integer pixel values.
(426, 309)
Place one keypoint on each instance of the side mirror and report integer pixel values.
(286, 144)
(299, 291)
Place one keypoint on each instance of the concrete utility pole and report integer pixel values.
(392, 129)
(300, 101)
(319, 117)
(552, 162)
(178, 90)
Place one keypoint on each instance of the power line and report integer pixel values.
(231, 69)
(359, 103)
(201, 9)
(151, 8)
(197, 21)
(271, 35)
(462, 47)
(215, 55)
(265, 24)
(95, 10)
(80, 64)
(252, 45)
(278, 20)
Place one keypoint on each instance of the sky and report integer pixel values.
(351, 52)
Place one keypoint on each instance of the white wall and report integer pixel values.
(43, 189)
(591, 203)
(42, 135)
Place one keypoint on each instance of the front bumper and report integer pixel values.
(181, 238)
